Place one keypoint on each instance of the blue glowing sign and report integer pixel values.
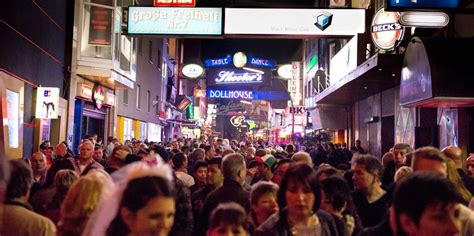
(423, 4)
(247, 95)
(218, 62)
(231, 94)
(261, 62)
(175, 20)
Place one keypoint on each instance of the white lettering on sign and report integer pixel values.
(230, 77)
(223, 61)
(259, 62)
(386, 27)
(230, 94)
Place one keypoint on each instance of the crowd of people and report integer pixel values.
(215, 186)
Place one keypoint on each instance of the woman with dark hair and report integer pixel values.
(336, 199)
(299, 199)
(147, 208)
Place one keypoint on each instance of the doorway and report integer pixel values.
(388, 133)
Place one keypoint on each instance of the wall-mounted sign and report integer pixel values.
(430, 19)
(343, 62)
(174, 3)
(175, 21)
(297, 110)
(199, 93)
(100, 25)
(261, 62)
(223, 76)
(294, 83)
(386, 31)
(232, 94)
(237, 121)
(109, 98)
(239, 59)
(192, 70)
(47, 103)
(285, 71)
(99, 96)
(266, 21)
(184, 103)
(84, 91)
(312, 62)
(395, 5)
(218, 62)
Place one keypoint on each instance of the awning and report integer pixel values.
(378, 73)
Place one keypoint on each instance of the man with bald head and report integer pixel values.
(84, 161)
(61, 151)
(455, 154)
(39, 167)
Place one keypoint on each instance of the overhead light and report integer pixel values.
(245, 102)
(424, 19)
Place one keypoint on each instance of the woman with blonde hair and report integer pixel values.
(454, 177)
(80, 202)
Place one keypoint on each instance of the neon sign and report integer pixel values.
(233, 94)
(218, 62)
(261, 62)
(231, 77)
(237, 121)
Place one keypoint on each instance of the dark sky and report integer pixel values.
(282, 51)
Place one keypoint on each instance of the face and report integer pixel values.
(299, 199)
(156, 218)
(201, 174)
(48, 152)
(399, 156)
(280, 172)
(431, 165)
(98, 154)
(214, 174)
(436, 220)
(61, 150)
(262, 168)
(266, 205)
(86, 150)
(230, 230)
(363, 180)
(470, 166)
(38, 163)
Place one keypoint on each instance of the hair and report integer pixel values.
(302, 174)
(453, 153)
(229, 213)
(207, 148)
(260, 152)
(80, 202)
(114, 163)
(199, 164)
(232, 164)
(420, 190)
(261, 188)
(303, 157)
(403, 146)
(371, 164)
(136, 195)
(179, 159)
(283, 161)
(427, 153)
(402, 172)
(215, 161)
(326, 170)
(59, 164)
(198, 154)
(290, 148)
(64, 179)
(387, 158)
(337, 189)
(21, 179)
(227, 152)
(185, 148)
(455, 178)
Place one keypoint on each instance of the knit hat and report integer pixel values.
(268, 160)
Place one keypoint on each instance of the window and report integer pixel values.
(158, 64)
(125, 96)
(150, 51)
(157, 105)
(138, 97)
(140, 46)
(148, 97)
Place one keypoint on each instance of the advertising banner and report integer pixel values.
(251, 21)
(100, 26)
(175, 21)
(47, 103)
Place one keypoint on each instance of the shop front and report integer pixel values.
(93, 111)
